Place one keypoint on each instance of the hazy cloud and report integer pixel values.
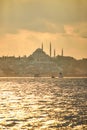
(83, 35)
(42, 16)
(80, 29)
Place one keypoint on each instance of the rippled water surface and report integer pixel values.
(43, 104)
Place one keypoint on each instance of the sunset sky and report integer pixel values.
(26, 24)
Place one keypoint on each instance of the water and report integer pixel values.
(43, 104)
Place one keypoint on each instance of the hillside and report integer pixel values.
(39, 63)
(71, 67)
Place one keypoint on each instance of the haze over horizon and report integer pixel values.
(26, 24)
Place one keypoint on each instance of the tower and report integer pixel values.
(54, 53)
(42, 46)
(62, 53)
(50, 49)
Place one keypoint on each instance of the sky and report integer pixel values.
(26, 24)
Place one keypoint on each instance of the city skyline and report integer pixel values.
(52, 52)
(25, 24)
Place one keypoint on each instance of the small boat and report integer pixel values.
(52, 76)
(37, 75)
(60, 75)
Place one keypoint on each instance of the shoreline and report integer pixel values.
(41, 77)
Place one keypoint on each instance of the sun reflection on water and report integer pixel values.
(43, 104)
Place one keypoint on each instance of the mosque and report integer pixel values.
(43, 64)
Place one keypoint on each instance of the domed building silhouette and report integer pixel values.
(42, 64)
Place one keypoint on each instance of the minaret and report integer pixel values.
(50, 49)
(54, 53)
(62, 53)
(42, 46)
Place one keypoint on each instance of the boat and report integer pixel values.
(37, 75)
(52, 76)
(60, 75)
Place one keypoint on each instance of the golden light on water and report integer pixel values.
(43, 103)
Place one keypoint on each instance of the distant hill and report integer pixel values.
(72, 67)
(41, 64)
